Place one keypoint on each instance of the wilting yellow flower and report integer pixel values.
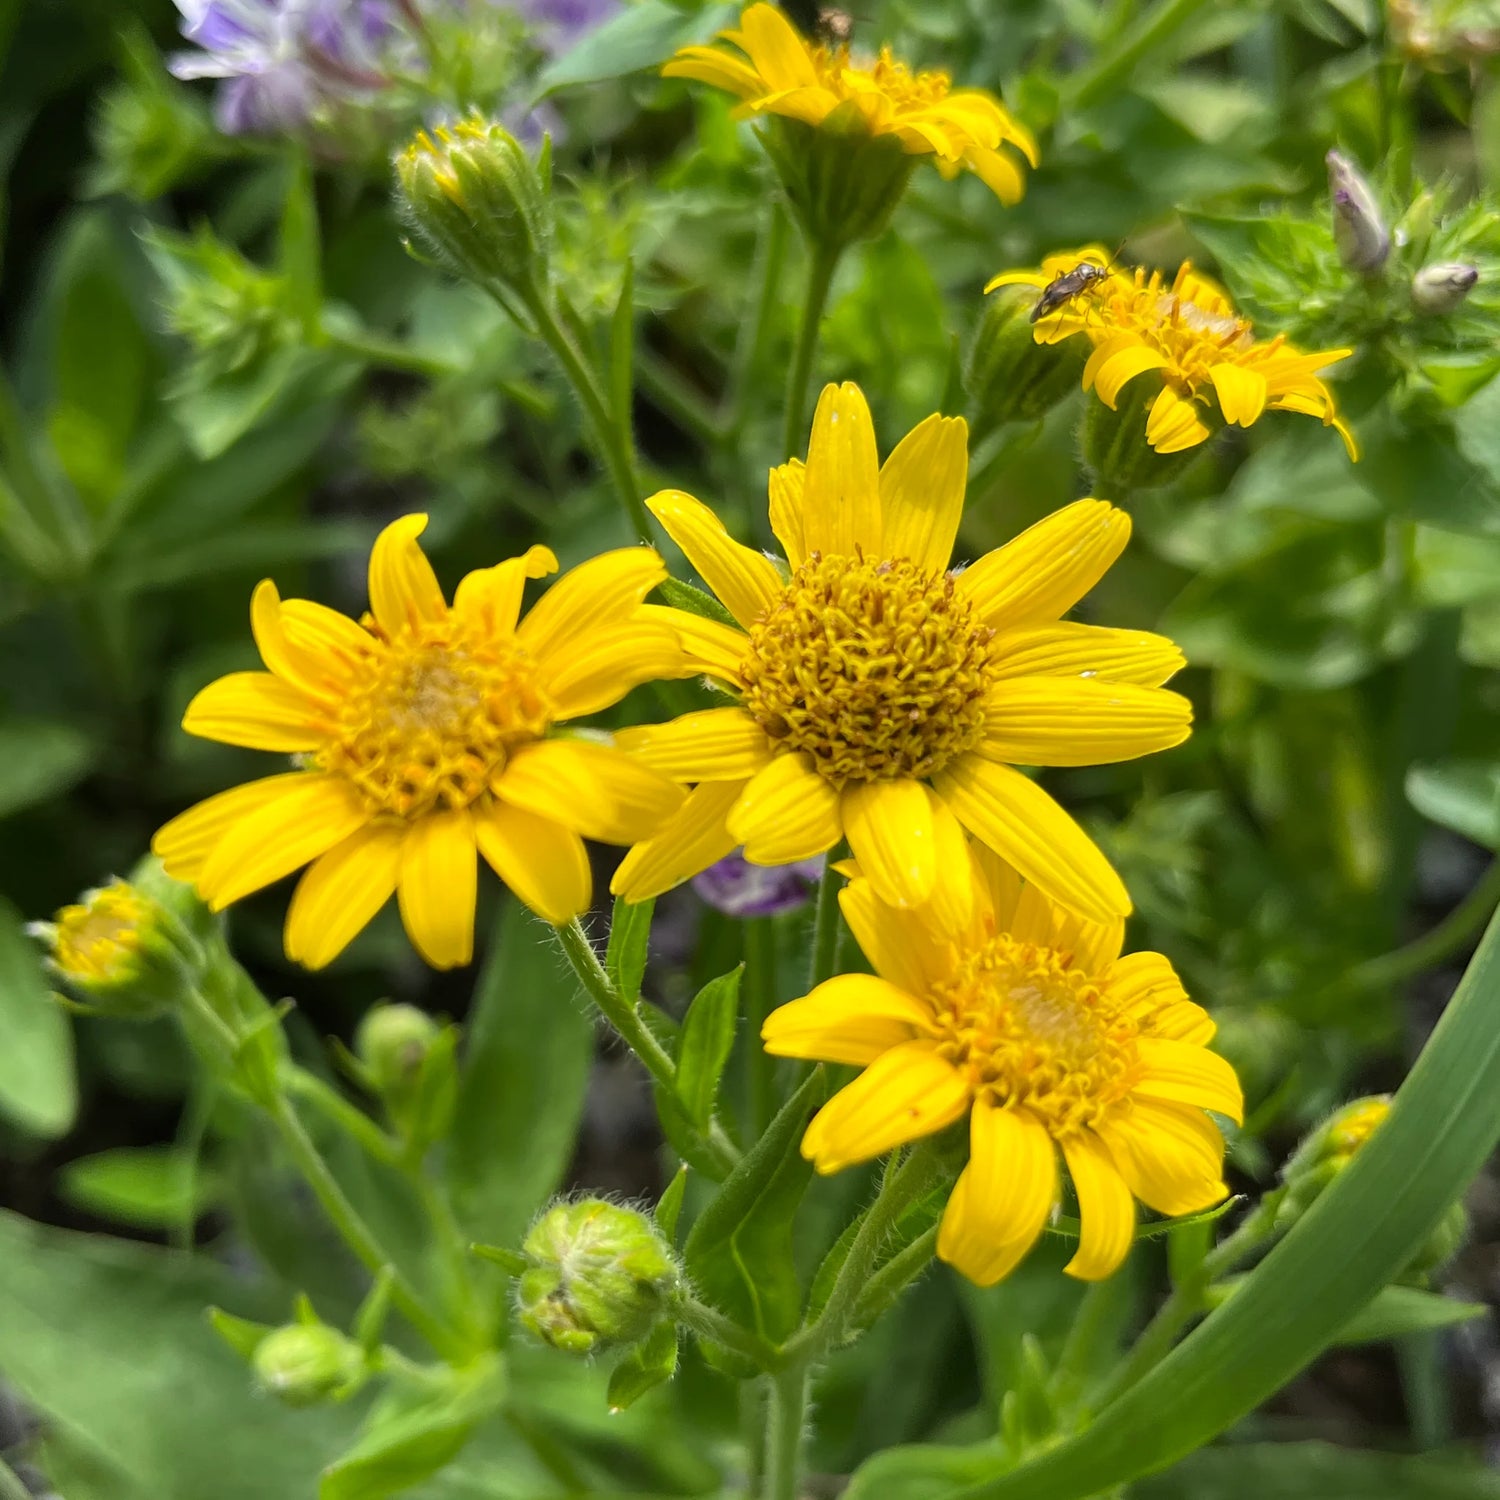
(782, 73)
(1027, 1020)
(425, 732)
(1205, 354)
(880, 694)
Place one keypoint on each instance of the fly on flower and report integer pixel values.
(423, 735)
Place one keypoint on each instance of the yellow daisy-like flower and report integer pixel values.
(780, 72)
(1028, 1020)
(98, 941)
(1205, 354)
(424, 733)
(885, 698)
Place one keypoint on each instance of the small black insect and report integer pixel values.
(1061, 290)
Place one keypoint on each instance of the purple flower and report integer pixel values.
(739, 889)
(560, 23)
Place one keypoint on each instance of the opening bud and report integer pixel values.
(1008, 375)
(1440, 288)
(481, 205)
(1326, 1152)
(599, 1276)
(1359, 229)
(305, 1363)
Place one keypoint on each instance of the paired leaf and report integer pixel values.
(648, 1365)
(707, 1038)
(37, 1087)
(149, 1187)
(629, 942)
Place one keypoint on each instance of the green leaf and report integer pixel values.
(1407, 1309)
(242, 1335)
(40, 758)
(645, 1367)
(694, 600)
(629, 940)
(149, 1187)
(1363, 1230)
(707, 1037)
(682, 1135)
(637, 38)
(299, 249)
(37, 1087)
(669, 1206)
(526, 1064)
(739, 1253)
(1463, 795)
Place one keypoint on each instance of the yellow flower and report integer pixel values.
(97, 943)
(782, 73)
(422, 733)
(880, 694)
(1027, 1020)
(1204, 352)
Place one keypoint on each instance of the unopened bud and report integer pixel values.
(393, 1042)
(1326, 1152)
(480, 203)
(1440, 288)
(305, 1363)
(1009, 375)
(599, 1276)
(1441, 1245)
(1116, 449)
(1359, 229)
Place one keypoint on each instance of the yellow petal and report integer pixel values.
(1025, 827)
(1242, 392)
(258, 711)
(312, 814)
(787, 484)
(714, 744)
(341, 892)
(1146, 986)
(437, 887)
(1018, 278)
(545, 864)
(746, 582)
(1174, 425)
(187, 841)
(899, 947)
(1182, 1073)
(712, 647)
(997, 172)
(710, 65)
(596, 790)
(404, 591)
(889, 827)
(999, 887)
(1077, 721)
(1105, 1210)
(1171, 1157)
(904, 1094)
(1111, 376)
(1068, 649)
(316, 673)
(689, 842)
(342, 646)
(1093, 946)
(1046, 570)
(1003, 1198)
(922, 492)
(851, 1019)
(786, 812)
(492, 596)
(777, 50)
(597, 671)
(605, 590)
(841, 500)
(951, 903)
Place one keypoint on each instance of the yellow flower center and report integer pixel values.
(1023, 1025)
(877, 669)
(432, 724)
(1194, 335)
(99, 942)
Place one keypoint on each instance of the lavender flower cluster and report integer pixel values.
(281, 60)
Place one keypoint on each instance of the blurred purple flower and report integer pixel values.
(560, 23)
(739, 889)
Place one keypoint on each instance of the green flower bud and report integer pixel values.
(393, 1042)
(1440, 288)
(843, 184)
(305, 1363)
(1008, 375)
(481, 205)
(1442, 1245)
(599, 1276)
(1326, 1152)
(1115, 447)
(1359, 229)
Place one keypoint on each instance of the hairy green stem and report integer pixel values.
(756, 327)
(823, 261)
(894, 1276)
(825, 943)
(709, 1323)
(760, 1000)
(786, 1417)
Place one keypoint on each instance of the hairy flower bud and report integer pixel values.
(479, 202)
(1325, 1153)
(1359, 229)
(1009, 375)
(393, 1042)
(599, 1276)
(1440, 288)
(305, 1363)
(1116, 448)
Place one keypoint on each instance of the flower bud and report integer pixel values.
(1115, 449)
(843, 184)
(393, 1042)
(1326, 1152)
(1009, 376)
(1359, 230)
(1445, 1241)
(305, 1363)
(481, 205)
(1440, 288)
(599, 1276)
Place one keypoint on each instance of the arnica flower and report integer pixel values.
(422, 733)
(1028, 1021)
(1209, 363)
(780, 72)
(880, 694)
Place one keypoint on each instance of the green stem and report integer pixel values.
(825, 943)
(387, 353)
(1119, 62)
(611, 440)
(786, 1416)
(894, 1276)
(756, 328)
(626, 1020)
(709, 1323)
(760, 1000)
(12, 1486)
(339, 1112)
(679, 399)
(822, 263)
